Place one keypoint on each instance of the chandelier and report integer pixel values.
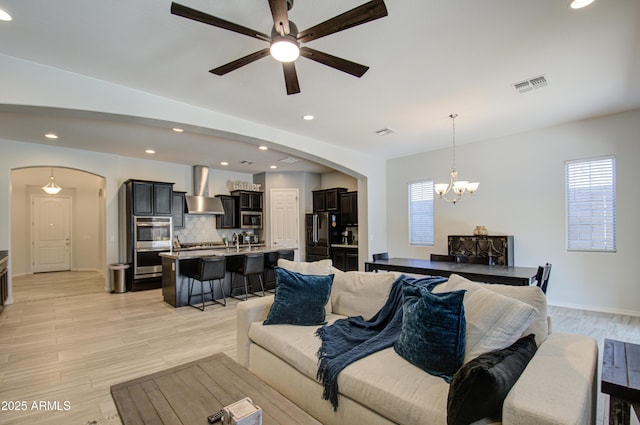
(458, 187)
(51, 188)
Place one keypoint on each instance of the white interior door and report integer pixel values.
(50, 233)
(285, 215)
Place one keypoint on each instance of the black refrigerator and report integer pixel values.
(322, 230)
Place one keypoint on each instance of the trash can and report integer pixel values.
(118, 282)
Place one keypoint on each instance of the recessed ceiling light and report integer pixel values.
(579, 4)
(274, 166)
(225, 163)
(178, 130)
(263, 148)
(51, 136)
(150, 151)
(308, 117)
(4, 16)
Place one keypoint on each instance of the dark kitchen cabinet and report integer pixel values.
(345, 259)
(327, 199)
(349, 208)
(248, 200)
(229, 219)
(178, 210)
(150, 198)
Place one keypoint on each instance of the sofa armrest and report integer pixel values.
(252, 310)
(559, 385)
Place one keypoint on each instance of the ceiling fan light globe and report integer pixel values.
(283, 49)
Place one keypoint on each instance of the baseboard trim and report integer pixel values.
(597, 309)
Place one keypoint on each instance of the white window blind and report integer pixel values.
(591, 204)
(421, 213)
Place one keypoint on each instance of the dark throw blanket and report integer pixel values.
(353, 338)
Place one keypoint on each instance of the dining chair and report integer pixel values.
(542, 277)
(443, 257)
(471, 259)
(381, 256)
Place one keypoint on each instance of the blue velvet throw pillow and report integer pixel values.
(433, 330)
(299, 299)
(479, 388)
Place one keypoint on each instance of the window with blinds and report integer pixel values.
(421, 213)
(591, 204)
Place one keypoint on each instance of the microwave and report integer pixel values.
(250, 220)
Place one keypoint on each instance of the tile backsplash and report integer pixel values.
(198, 228)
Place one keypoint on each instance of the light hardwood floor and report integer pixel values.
(65, 340)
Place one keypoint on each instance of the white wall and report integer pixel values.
(522, 193)
(87, 224)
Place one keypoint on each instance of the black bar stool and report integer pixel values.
(287, 254)
(270, 263)
(208, 269)
(249, 264)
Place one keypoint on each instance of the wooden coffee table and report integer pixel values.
(621, 379)
(188, 393)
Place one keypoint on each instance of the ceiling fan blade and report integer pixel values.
(280, 14)
(340, 64)
(238, 63)
(370, 11)
(196, 15)
(291, 77)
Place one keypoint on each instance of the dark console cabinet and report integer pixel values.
(150, 198)
(499, 248)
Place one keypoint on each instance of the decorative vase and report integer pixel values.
(480, 231)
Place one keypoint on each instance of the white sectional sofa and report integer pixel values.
(558, 385)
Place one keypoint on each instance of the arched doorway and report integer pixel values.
(63, 233)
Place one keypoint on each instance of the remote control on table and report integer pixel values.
(215, 417)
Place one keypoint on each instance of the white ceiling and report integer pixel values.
(427, 59)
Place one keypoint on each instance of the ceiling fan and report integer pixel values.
(285, 39)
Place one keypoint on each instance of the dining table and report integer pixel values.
(506, 275)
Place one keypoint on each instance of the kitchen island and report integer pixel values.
(175, 285)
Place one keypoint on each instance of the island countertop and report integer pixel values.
(222, 251)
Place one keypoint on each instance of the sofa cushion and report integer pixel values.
(533, 296)
(360, 293)
(494, 321)
(300, 298)
(479, 388)
(433, 330)
(399, 396)
(322, 267)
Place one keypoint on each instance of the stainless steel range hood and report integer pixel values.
(200, 202)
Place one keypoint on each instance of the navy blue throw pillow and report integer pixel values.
(433, 330)
(479, 388)
(300, 298)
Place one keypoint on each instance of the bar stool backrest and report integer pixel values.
(212, 268)
(253, 263)
(270, 259)
(287, 254)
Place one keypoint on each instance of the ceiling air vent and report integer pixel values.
(530, 84)
(384, 131)
(290, 160)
